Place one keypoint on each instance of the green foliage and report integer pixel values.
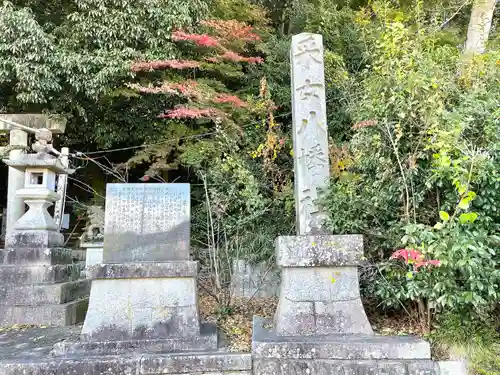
(69, 57)
(481, 346)
(421, 168)
(468, 279)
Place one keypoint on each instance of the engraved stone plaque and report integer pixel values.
(146, 223)
(310, 134)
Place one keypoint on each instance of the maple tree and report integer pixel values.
(199, 86)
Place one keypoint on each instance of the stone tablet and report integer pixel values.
(310, 133)
(146, 223)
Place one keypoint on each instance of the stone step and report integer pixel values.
(267, 344)
(187, 364)
(50, 315)
(204, 342)
(30, 275)
(41, 256)
(268, 366)
(43, 294)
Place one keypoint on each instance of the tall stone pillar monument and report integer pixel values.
(320, 326)
(319, 291)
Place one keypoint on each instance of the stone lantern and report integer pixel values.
(39, 284)
(37, 226)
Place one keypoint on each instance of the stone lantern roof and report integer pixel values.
(56, 124)
(42, 161)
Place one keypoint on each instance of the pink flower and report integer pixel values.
(282, 141)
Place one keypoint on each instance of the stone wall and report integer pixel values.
(255, 280)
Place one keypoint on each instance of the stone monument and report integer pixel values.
(38, 283)
(144, 295)
(320, 326)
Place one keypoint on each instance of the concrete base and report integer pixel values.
(136, 309)
(51, 315)
(267, 344)
(343, 354)
(29, 352)
(29, 275)
(149, 301)
(207, 340)
(43, 294)
(347, 367)
(43, 256)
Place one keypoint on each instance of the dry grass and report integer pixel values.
(235, 321)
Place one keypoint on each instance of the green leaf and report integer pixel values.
(438, 226)
(464, 204)
(468, 217)
(409, 275)
(444, 216)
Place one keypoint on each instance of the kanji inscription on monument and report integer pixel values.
(310, 137)
(146, 223)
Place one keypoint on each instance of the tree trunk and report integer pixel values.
(479, 26)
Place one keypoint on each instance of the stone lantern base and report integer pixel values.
(39, 285)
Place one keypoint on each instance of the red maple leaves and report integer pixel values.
(139, 66)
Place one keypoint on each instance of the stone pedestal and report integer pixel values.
(319, 292)
(144, 295)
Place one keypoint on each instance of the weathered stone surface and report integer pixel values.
(310, 134)
(32, 239)
(42, 256)
(93, 254)
(28, 353)
(146, 222)
(143, 270)
(319, 251)
(26, 275)
(346, 367)
(207, 340)
(43, 293)
(325, 284)
(320, 301)
(142, 309)
(452, 367)
(55, 314)
(267, 344)
(254, 280)
(193, 363)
